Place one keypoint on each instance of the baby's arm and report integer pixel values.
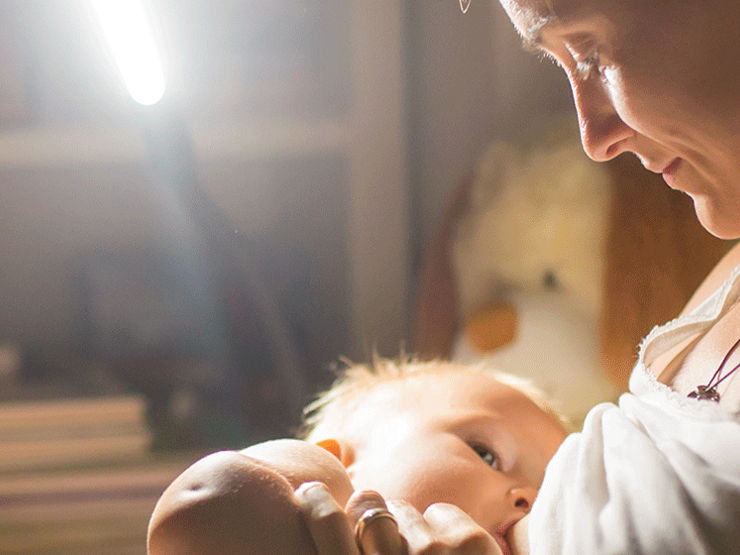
(242, 502)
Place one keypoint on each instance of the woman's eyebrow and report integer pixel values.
(532, 37)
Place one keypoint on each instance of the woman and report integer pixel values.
(661, 472)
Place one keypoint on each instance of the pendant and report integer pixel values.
(706, 393)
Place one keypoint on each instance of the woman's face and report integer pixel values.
(659, 79)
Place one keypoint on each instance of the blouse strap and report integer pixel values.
(698, 321)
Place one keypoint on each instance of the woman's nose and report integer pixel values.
(522, 497)
(603, 133)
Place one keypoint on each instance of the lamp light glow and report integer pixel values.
(131, 40)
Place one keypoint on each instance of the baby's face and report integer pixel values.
(460, 438)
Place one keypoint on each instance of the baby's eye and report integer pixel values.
(487, 456)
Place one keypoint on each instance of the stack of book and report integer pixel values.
(77, 477)
(66, 432)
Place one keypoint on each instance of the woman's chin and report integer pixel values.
(716, 218)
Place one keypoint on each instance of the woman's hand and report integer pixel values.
(443, 529)
(334, 530)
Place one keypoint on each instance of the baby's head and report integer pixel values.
(421, 432)
(440, 432)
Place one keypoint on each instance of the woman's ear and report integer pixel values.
(341, 450)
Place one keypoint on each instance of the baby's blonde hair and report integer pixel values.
(333, 406)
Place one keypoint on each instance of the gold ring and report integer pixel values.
(367, 517)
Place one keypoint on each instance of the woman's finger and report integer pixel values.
(376, 529)
(418, 537)
(461, 533)
(327, 522)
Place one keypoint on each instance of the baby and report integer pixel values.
(422, 432)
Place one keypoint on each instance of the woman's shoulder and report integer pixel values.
(715, 279)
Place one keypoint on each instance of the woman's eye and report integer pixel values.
(487, 456)
(588, 67)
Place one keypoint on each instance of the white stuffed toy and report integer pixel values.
(528, 258)
(553, 267)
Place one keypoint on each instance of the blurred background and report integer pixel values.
(325, 137)
(181, 277)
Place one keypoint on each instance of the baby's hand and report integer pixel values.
(300, 461)
(243, 503)
(228, 504)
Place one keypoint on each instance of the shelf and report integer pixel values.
(263, 139)
(86, 146)
(84, 510)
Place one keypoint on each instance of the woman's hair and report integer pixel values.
(333, 406)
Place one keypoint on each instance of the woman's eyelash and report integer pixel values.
(487, 455)
(588, 67)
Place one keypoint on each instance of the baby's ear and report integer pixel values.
(340, 450)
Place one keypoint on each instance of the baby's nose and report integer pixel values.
(522, 497)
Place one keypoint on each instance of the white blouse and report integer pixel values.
(658, 474)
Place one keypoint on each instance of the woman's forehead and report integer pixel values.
(529, 16)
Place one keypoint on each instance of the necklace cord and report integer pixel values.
(718, 372)
(723, 378)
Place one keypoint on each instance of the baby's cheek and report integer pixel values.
(417, 487)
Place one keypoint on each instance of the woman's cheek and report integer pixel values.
(627, 100)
